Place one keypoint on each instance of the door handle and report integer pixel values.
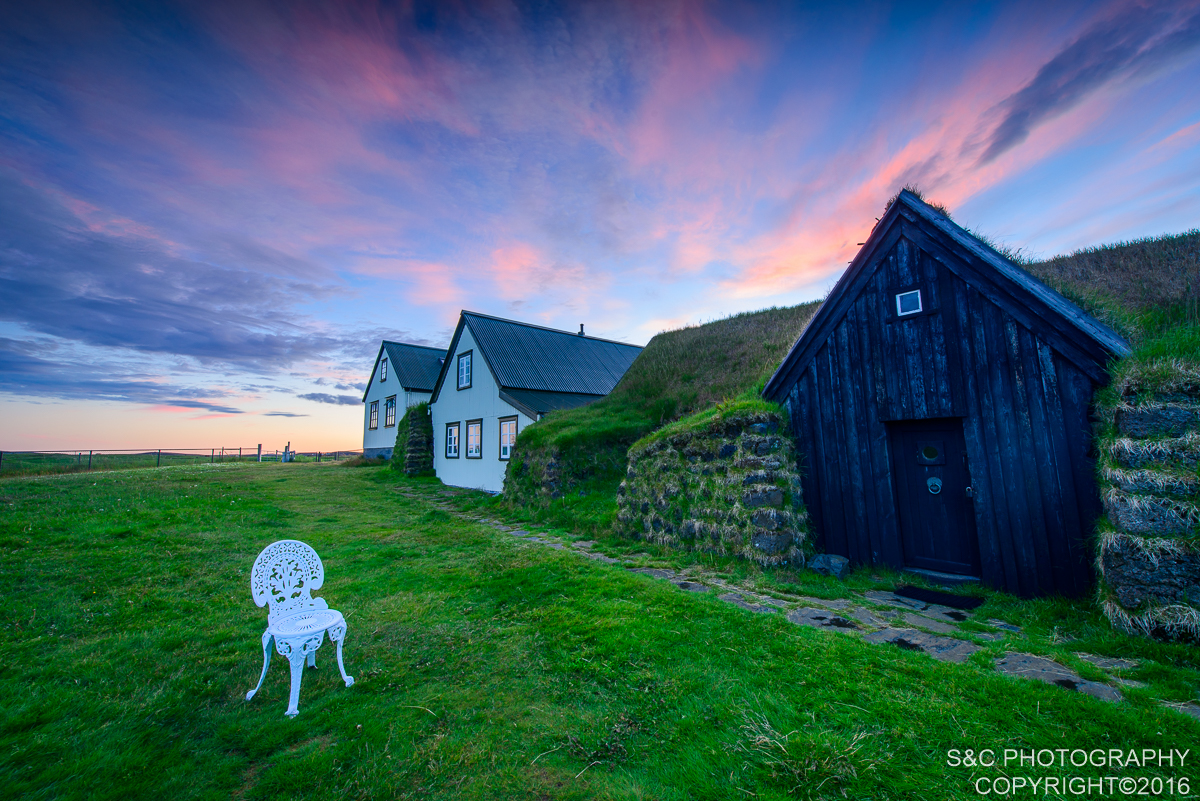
(934, 484)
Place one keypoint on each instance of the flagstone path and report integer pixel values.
(878, 616)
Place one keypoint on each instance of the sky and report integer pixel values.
(211, 213)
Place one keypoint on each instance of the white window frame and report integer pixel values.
(373, 419)
(383, 371)
(506, 447)
(389, 412)
(452, 434)
(464, 376)
(920, 306)
(474, 451)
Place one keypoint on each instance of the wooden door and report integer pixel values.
(936, 514)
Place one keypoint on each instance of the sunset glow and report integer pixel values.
(211, 213)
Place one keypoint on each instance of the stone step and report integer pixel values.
(1042, 669)
(1158, 419)
(1171, 452)
(1150, 515)
(1152, 482)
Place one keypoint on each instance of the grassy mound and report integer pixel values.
(413, 453)
(1147, 543)
(576, 458)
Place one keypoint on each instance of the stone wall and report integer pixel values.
(413, 454)
(728, 487)
(1149, 552)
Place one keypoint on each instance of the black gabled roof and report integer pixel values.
(531, 357)
(415, 367)
(1078, 336)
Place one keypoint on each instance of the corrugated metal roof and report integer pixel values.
(524, 356)
(416, 366)
(533, 402)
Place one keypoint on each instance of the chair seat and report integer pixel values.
(309, 621)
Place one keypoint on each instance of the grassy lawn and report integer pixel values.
(486, 667)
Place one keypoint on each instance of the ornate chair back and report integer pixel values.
(285, 575)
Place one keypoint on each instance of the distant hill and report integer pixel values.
(1141, 288)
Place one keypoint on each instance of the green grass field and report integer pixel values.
(486, 667)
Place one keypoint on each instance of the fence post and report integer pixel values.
(1, 460)
(239, 454)
(260, 453)
(89, 460)
(212, 455)
(159, 462)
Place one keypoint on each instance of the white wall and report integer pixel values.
(482, 400)
(384, 437)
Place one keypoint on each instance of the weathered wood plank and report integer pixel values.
(1045, 502)
(1007, 454)
(853, 398)
(980, 445)
(832, 470)
(1064, 546)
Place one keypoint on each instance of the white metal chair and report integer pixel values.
(285, 575)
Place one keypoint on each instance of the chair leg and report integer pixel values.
(312, 659)
(296, 658)
(338, 634)
(266, 643)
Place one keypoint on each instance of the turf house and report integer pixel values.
(940, 401)
(403, 375)
(502, 375)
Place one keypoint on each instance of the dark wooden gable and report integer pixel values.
(993, 348)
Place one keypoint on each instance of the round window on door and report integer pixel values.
(930, 452)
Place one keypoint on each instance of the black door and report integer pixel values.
(937, 521)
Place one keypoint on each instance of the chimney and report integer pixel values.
(581, 329)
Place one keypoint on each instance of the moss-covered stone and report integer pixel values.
(728, 485)
(1149, 552)
(413, 454)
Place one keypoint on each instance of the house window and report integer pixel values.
(383, 370)
(908, 303)
(464, 370)
(374, 423)
(451, 440)
(389, 412)
(508, 436)
(474, 439)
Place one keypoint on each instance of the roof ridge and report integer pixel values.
(547, 328)
(410, 345)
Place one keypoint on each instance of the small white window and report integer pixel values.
(389, 414)
(374, 422)
(383, 370)
(908, 303)
(508, 437)
(474, 439)
(452, 441)
(464, 371)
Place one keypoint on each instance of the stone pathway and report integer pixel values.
(878, 616)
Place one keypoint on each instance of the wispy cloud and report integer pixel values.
(1134, 42)
(337, 400)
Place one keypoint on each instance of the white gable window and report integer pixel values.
(474, 439)
(452, 440)
(374, 424)
(383, 370)
(508, 437)
(908, 303)
(389, 412)
(464, 370)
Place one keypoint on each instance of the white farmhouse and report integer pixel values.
(502, 375)
(403, 376)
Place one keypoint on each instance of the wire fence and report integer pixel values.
(72, 460)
